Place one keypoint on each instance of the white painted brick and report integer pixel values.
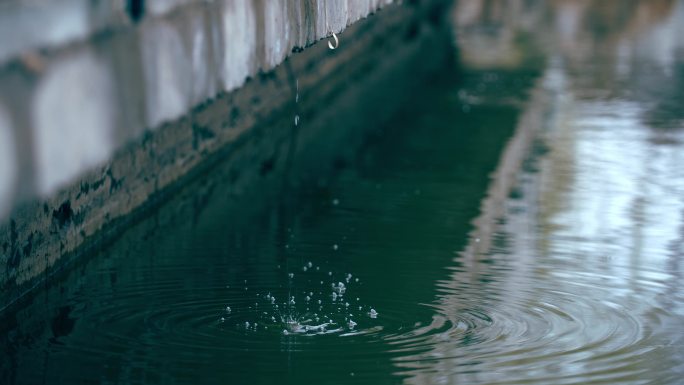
(8, 163)
(204, 79)
(357, 9)
(167, 72)
(276, 33)
(159, 7)
(72, 115)
(337, 15)
(27, 25)
(239, 44)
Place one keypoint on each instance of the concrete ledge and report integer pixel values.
(249, 131)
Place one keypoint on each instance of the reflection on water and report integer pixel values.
(508, 228)
(581, 279)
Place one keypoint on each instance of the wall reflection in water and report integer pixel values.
(575, 276)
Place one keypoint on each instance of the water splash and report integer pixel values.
(322, 310)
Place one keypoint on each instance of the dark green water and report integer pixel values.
(431, 255)
(152, 308)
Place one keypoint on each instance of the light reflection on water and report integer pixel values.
(580, 278)
(581, 282)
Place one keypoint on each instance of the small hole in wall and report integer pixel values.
(135, 9)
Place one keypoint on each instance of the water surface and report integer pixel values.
(431, 256)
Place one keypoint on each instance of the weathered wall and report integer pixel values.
(80, 78)
(249, 127)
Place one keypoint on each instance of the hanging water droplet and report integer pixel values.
(337, 42)
(296, 120)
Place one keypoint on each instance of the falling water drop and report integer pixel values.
(337, 42)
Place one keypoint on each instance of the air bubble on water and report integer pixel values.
(318, 268)
(334, 296)
(296, 121)
(346, 304)
(335, 202)
(373, 313)
(356, 280)
(352, 324)
(360, 308)
(308, 298)
(228, 309)
(319, 301)
(291, 275)
(304, 268)
(246, 324)
(292, 300)
(335, 247)
(309, 264)
(222, 320)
